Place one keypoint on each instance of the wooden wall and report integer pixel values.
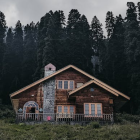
(99, 95)
(27, 96)
(61, 95)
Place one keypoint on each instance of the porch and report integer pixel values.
(60, 117)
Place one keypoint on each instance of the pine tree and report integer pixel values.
(7, 70)
(97, 39)
(72, 30)
(138, 11)
(132, 53)
(41, 35)
(109, 23)
(17, 56)
(84, 44)
(78, 41)
(29, 58)
(115, 62)
(54, 40)
(2, 45)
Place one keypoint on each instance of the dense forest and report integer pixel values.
(115, 59)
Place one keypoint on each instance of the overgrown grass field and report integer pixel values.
(127, 127)
(47, 131)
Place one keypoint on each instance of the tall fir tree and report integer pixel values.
(7, 70)
(41, 35)
(115, 56)
(72, 36)
(29, 58)
(17, 56)
(97, 41)
(2, 45)
(54, 40)
(110, 21)
(79, 50)
(132, 53)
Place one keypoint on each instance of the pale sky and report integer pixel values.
(32, 10)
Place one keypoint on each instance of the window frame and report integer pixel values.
(58, 84)
(68, 109)
(80, 84)
(69, 81)
(93, 115)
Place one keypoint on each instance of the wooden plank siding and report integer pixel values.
(61, 95)
(26, 96)
(82, 96)
(99, 95)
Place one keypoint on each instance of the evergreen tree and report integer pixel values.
(54, 40)
(18, 51)
(72, 30)
(79, 50)
(109, 23)
(7, 70)
(84, 50)
(138, 11)
(97, 39)
(41, 35)
(132, 53)
(2, 45)
(115, 62)
(29, 58)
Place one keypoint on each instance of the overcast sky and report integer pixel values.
(32, 10)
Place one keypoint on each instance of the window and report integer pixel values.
(99, 109)
(66, 109)
(71, 109)
(71, 84)
(59, 84)
(59, 109)
(91, 89)
(65, 84)
(93, 109)
(79, 85)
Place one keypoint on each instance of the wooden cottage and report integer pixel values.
(69, 94)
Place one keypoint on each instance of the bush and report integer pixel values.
(95, 125)
(6, 112)
(122, 118)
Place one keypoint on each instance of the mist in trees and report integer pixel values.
(115, 59)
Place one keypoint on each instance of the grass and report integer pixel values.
(127, 128)
(46, 131)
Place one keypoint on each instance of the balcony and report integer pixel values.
(59, 117)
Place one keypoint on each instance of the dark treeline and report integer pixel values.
(115, 59)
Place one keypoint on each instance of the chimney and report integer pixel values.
(49, 69)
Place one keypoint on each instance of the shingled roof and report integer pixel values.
(93, 80)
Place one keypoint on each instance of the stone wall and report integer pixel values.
(49, 97)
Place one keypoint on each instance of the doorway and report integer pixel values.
(32, 110)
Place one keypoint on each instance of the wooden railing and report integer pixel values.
(20, 117)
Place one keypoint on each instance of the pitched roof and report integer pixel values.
(91, 82)
(93, 79)
(103, 86)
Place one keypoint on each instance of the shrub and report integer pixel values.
(122, 118)
(95, 125)
(6, 112)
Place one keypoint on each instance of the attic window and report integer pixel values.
(79, 85)
(91, 89)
